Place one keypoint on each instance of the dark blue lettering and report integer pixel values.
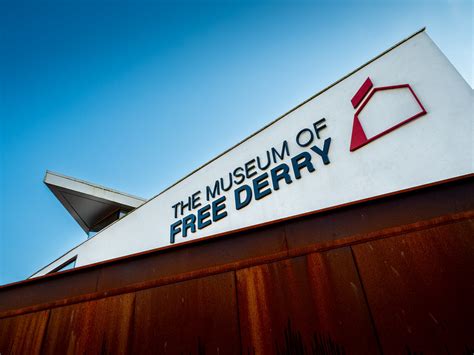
(202, 214)
(319, 126)
(280, 172)
(230, 183)
(239, 174)
(248, 197)
(218, 209)
(259, 183)
(301, 133)
(195, 200)
(281, 155)
(175, 209)
(213, 193)
(323, 153)
(267, 164)
(189, 222)
(302, 160)
(174, 229)
(249, 166)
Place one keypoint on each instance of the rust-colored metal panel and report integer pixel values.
(237, 249)
(48, 290)
(23, 334)
(101, 326)
(308, 304)
(412, 207)
(420, 288)
(192, 317)
(244, 248)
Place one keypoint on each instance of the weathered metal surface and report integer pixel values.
(23, 334)
(419, 284)
(420, 288)
(48, 290)
(236, 249)
(383, 213)
(193, 317)
(101, 326)
(304, 305)
(247, 247)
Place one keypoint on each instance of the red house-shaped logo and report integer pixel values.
(385, 120)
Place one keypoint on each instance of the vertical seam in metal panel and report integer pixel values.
(238, 310)
(99, 273)
(286, 241)
(372, 320)
(45, 332)
(131, 330)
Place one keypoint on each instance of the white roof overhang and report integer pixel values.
(94, 207)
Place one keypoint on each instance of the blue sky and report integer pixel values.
(134, 95)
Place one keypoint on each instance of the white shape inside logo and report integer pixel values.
(386, 109)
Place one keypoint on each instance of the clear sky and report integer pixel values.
(135, 95)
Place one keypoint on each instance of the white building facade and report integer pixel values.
(401, 121)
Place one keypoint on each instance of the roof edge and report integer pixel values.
(435, 184)
(73, 179)
(293, 109)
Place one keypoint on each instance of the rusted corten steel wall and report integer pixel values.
(393, 275)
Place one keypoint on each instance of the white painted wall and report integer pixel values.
(434, 147)
(383, 105)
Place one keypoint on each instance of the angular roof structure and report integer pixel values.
(93, 207)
